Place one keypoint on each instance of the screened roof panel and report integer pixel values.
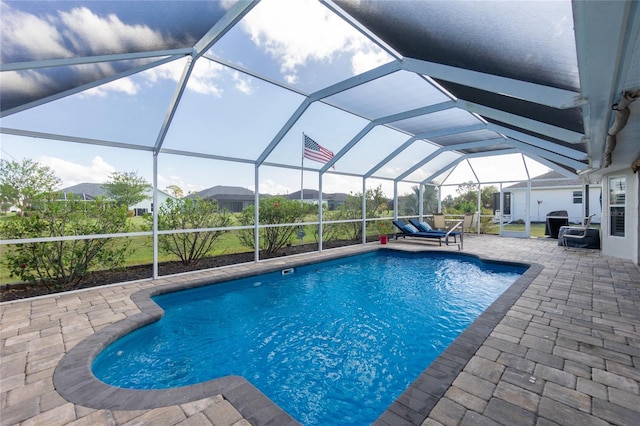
(299, 43)
(21, 87)
(531, 41)
(494, 148)
(461, 173)
(486, 170)
(570, 118)
(391, 94)
(330, 127)
(372, 149)
(453, 117)
(551, 141)
(458, 138)
(235, 118)
(43, 30)
(439, 163)
(405, 160)
(91, 113)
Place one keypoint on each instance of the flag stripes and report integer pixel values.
(316, 152)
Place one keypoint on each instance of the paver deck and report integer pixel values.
(566, 352)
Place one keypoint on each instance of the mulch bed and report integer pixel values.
(94, 279)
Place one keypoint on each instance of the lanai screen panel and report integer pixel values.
(42, 30)
(466, 137)
(435, 165)
(441, 120)
(221, 101)
(372, 149)
(329, 127)
(569, 118)
(91, 113)
(391, 94)
(525, 40)
(406, 159)
(299, 43)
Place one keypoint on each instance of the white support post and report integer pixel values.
(364, 211)
(256, 216)
(155, 216)
(320, 212)
(395, 199)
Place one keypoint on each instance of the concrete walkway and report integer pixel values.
(566, 352)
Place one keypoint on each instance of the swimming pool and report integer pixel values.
(363, 328)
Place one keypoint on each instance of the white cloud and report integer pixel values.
(270, 187)
(37, 37)
(73, 173)
(124, 85)
(26, 82)
(86, 30)
(301, 31)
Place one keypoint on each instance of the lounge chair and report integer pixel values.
(439, 222)
(470, 221)
(408, 230)
(425, 227)
(576, 232)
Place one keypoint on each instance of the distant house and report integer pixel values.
(90, 191)
(552, 192)
(333, 201)
(231, 198)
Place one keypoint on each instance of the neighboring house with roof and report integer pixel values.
(91, 191)
(311, 196)
(231, 198)
(551, 192)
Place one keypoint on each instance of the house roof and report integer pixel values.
(89, 190)
(312, 194)
(224, 192)
(85, 190)
(548, 180)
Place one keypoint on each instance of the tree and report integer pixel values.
(467, 199)
(21, 182)
(126, 188)
(175, 190)
(272, 211)
(408, 204)
(65, 263)
(351, 210)
(190, 213)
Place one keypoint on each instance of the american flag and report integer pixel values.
(314, 151)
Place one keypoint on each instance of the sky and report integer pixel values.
(223, 112)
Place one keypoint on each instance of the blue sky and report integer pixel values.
(223, 112)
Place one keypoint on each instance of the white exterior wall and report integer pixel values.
(146, 204)
(623, 247)
(554, 198)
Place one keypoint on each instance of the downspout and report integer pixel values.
(622, 113)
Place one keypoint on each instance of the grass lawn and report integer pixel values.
(141, 251)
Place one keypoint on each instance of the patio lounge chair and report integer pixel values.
(408, 230)
(470, 221)
(422, 226)
(438, 221)
(576, 232)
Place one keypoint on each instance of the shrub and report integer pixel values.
(65, 263)
(274, 210)
(190, 213)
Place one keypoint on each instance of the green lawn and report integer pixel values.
(141, 251)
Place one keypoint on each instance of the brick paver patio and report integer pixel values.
(566, 352)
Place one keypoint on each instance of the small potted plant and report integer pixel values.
(383, 231)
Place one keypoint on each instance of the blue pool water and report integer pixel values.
(332, 343)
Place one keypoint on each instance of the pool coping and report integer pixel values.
(74, 380)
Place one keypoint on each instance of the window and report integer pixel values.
(617, 199)
(577, 197)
